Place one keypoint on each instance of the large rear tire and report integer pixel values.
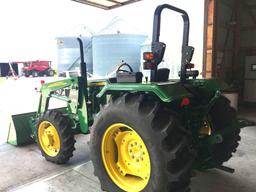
(137, 127)
(221, 116)
(55, 137)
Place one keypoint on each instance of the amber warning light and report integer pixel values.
(148, 56)
(190, 66)
(149, 60)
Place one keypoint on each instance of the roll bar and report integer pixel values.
(185, 48)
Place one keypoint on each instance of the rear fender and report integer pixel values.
(208, 85)
(166, 92)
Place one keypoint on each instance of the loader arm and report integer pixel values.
(76, 101)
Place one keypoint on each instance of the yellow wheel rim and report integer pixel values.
(206, 129)
(126, 158)
(49, 138)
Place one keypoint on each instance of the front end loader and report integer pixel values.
(143, 136)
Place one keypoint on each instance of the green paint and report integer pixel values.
(78, 109)
(167, 92)
(20, 129)
(84, 102)
(48, 90)
(81, 112)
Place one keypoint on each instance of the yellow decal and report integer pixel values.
(97, 84)
(57, 84)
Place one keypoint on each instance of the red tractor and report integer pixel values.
(37, 68)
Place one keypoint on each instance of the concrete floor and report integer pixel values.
(23, 169)
(24, 165)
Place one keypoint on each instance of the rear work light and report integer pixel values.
(148, 56)
(190, 66)
(149, 61)
(155, 57)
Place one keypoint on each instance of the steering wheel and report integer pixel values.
(123, 70)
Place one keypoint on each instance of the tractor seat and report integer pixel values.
(162, 75)
(127, 77)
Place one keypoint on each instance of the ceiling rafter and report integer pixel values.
(106, 4)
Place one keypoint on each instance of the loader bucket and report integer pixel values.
(21, 129)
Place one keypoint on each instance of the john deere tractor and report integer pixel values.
(144, 136)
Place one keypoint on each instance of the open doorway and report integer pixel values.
(230, 45)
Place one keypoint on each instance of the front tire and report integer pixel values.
(160, 137)
(55, 137)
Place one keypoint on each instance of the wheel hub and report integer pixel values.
(135, 151)
(206, 129)
(48, 138)
(126, 158)
(130, 155)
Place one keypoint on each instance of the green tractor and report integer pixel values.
(144, 136)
